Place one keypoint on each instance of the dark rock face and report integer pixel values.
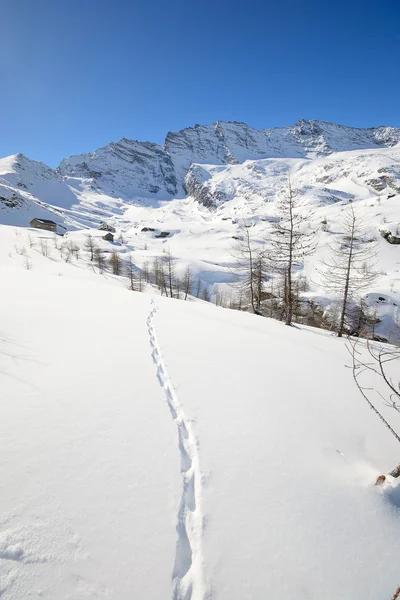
(195, 185)
(106, 227)
(388, 235)
(12, 202)
(382, 182)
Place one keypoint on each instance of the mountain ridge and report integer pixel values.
(132, 167)
(212, 181)
(201, 161)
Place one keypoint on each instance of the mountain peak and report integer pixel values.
(142, 168)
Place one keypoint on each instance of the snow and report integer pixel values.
(90, 472)
(117, 184)
(155, 448)
(289, 459)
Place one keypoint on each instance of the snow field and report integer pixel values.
(102, 485)
(188, 576)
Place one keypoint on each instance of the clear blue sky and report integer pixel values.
(77, 74)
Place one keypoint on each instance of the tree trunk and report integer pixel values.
(396, 594)
(289, 299)
(346, 287)
(251, 274)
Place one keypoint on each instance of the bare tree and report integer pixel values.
(67, 252)
(44, 247)
(260, 276)
(378, 363)
(146, 273)
(155, 271)
(131, 273)
(140, 280)
(198, 288)
(115, 263)
(90, 246)
(349, 270)
(159, 275)
(205, 294)
(291, 241)
(73, 249)
(100, 259)
(27, 263)
(177, 287)
(220, 295)
(169, 262)
(187, 282)
(21, 251)
(249, 268)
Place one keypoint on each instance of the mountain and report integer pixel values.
(29, 188)
(131, 170)
(134, 168)
(206, 182)
(229, 454)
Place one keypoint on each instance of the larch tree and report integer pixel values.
(169, 261)
(115, 261)
(146, 273)
(290, 242)
(100, 259)
(90, 246)
(187, 283)
(249, 268)
(198, 288)
(349, 270)
(159, 275)
(205, 294)
(131, 273)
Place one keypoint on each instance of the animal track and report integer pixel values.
(188, 572)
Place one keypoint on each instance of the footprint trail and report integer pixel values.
(188, 573)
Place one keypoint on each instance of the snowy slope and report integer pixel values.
(154, 448)
(31, 189)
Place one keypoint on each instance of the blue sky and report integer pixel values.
(78, 74)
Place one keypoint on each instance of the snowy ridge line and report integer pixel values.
(188, 573)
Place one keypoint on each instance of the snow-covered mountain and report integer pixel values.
(205, 182)
(130, 169)
(191, 163)
(133, 168)
(229, 454)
